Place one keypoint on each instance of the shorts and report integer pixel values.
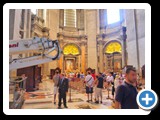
(89, 90)
(95, 91)
(55, 90)
(98, 92)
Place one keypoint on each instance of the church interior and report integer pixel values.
(95, 40)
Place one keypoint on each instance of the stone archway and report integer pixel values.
(113, 55)
(71, 57)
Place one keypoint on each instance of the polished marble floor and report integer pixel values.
(43, 99)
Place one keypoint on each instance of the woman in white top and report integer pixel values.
(109, 78)
(117, 82)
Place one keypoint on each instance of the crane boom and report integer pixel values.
(41, 45)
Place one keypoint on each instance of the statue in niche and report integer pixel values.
(69, 65)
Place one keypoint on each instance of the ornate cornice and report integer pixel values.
(77, 42)
(72, 37)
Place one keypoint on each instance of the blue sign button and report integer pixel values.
(147, 99)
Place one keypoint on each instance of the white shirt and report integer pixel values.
(90, 80)
(116, 83)
(110, 79)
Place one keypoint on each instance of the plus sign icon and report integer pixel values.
(147, 99)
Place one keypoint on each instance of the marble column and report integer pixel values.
(83, 60)
(98, 22)
(47, 18)
(82, 19)
(14, 28)
(85, 23)
(61, 17)
(60, 61)
(135, 39)
(91, 22)
(105, 61)
(78, 18)
(140, 23)
(27, 23)
(122, 46)
(40, 13)
(101, 56)
(17, 21)
(11, 23)
(45, 70)
(79, 62)
(54, 28)
(103, 20)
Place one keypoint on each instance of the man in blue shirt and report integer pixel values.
(99, 88)
(126, 93)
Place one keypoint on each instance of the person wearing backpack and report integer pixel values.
(89, 85)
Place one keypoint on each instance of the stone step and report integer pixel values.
(37, 101)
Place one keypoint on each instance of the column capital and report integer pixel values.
(83, 37)
(60, 36)
(101, 36)
(101, 42)
(83, 43)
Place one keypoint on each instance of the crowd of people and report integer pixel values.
(100, 82)
(123, 87)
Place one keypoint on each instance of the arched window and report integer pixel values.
(113, 16)
(70, 17)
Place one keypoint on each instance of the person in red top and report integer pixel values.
(93, 75)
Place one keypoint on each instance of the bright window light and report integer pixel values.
(70, 17)
(113, 15)
(34, 11)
